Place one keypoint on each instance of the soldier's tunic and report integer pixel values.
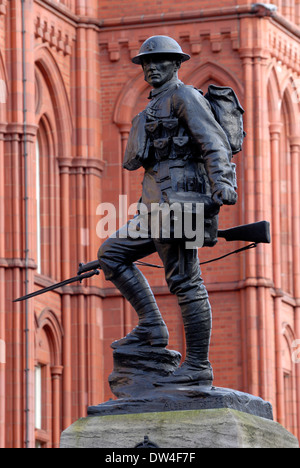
(183, 149)
(185, 153)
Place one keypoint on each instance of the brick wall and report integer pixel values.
(114, 9)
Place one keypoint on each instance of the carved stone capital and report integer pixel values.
(294, 141)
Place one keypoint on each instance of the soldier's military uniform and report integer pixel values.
(186, 156)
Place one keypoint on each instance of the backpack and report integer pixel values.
(228, 113)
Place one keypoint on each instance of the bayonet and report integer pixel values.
(79, 278)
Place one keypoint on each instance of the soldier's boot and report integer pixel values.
(151, 329)
(196, 369)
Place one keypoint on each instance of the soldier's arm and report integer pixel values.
(195, 114)
(136, 144)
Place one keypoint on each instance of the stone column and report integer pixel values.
(124, 133)
(3, 263)
(64, 165)
(56, 372)
(249, 314)
(275, 131)
(295, 161)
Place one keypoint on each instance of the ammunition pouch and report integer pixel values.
(181, 147)
(162, 148)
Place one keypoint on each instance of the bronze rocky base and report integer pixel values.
(138, 368)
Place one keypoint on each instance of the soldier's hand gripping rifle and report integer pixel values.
(255, 233)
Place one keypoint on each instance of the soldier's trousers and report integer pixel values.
(117, 256)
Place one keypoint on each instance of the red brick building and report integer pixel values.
(68, 93)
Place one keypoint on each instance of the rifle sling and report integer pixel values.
(251, 246)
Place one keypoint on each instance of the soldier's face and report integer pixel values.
(158, 69)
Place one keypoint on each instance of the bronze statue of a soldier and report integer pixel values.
(186, 156)
(185, 142)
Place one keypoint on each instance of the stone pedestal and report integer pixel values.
(211, 428)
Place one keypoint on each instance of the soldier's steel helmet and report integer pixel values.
(160, 45)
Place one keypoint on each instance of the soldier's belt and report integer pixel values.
(210, 207)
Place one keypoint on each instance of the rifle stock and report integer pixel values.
(256, 232)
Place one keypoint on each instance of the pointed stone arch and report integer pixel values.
(48, 321)
(291, 98)
(216, 73)
(46, 124)
(288, 333)
(284, 90)
(127, 100)
(3, 89)
(49, 369)
(274, 96)
(47, 65)
(49, 195)
(3, 68)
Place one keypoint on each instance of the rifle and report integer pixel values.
(256, 233)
